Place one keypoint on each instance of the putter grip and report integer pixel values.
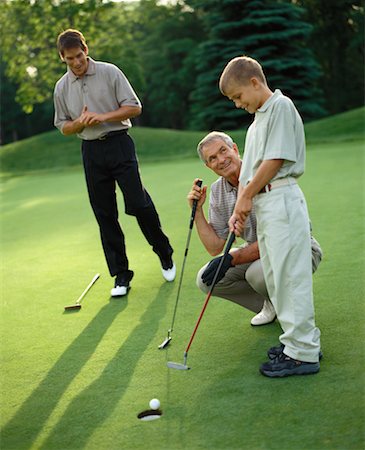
(232, 238)
(228, 246)
(195, 204)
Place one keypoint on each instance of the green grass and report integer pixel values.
(53, 151)
(349, 126)
(78, 380)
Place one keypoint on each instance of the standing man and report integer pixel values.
(241, 279)
(94, 100)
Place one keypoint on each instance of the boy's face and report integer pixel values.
(248, 96)
(222, 159)
(76, 59)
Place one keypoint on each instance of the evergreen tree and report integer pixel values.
(338, 43)
(167, 36)
(271, 31)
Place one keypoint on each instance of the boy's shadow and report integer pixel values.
(97, 401)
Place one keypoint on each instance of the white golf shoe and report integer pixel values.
(121, 285)
(169, 274)
(119, 291)
(266, 315)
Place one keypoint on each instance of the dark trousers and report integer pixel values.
(114, 160)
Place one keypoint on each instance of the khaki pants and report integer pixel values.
(284, 241)
(243, 284)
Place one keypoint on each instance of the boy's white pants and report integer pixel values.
(283, 231)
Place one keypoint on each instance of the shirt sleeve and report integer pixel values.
(123, 90)
(281, 143)
(61, 115)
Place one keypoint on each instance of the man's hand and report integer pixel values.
(90, 119)
(209, 272)
(197, 193)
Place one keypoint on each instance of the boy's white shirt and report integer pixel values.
(276, 133)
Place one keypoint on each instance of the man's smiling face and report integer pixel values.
(223, 159)
(76, 60)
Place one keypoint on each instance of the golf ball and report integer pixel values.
(155, 403)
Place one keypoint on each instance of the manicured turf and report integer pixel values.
(52, 151)
(78, 380)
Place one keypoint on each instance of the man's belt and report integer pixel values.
(111, 134)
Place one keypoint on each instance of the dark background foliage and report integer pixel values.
(173, 54)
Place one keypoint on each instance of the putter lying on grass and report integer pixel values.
(77, 304)
(174, 365)
(166, 342)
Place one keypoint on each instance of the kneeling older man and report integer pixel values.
(241, 279)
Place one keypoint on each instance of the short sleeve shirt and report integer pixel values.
(103, 88)
(222, 200)
(276, 133)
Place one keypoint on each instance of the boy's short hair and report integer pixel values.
(213, 136)
(239, 71)
(70, 39)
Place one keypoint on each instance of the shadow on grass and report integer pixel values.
(24, 427)
(91, 407)
(96, 402)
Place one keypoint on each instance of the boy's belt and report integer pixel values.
(277, 183)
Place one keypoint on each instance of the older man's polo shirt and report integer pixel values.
(222, 200)
(102, 89)
(276, 133)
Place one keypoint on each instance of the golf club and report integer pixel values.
(77, 304)
(184, 366)
(166, 342)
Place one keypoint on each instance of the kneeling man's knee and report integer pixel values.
(199, 282)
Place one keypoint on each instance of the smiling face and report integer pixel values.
(223, 160)
(76, 60)
(247, 96)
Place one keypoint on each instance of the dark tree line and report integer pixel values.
(173, 55)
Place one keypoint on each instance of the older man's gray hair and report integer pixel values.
(213, 136)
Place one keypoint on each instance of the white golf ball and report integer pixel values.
(155, 403)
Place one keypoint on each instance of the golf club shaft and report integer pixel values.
(230, 241)
(87, 288)
(192, 217)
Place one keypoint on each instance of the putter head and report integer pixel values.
(177, 366)
(165, 343)
(73, 307)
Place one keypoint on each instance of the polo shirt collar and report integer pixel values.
(91, 70)
(270, 101)
(229, 187)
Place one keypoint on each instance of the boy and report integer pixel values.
(274, 158)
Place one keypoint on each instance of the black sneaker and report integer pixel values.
(284, 366)
(275, 351)
(121, 285)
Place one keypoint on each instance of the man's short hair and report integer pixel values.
(239, 71)
(213, 136)
(70, 39)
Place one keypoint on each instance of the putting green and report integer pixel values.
(78, 380)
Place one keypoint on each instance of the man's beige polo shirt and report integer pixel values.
(103, 88)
